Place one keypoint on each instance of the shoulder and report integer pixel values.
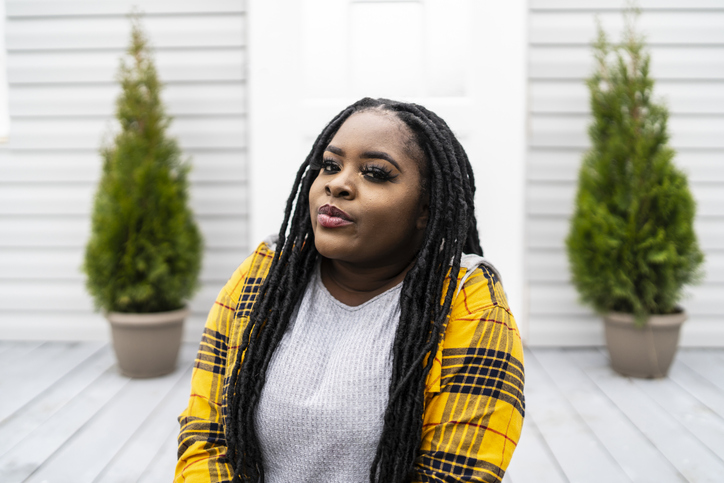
(481, 323)
(480, 320)
(481, 326)
(480, 313)
(479, 289)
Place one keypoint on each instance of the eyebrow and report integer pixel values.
(367, 155)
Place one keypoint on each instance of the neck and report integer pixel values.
(353, 285)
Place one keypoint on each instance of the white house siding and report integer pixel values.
(686, 39)
(62, 60)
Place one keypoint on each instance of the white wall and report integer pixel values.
(63, 55)
(686, 38)
(62, 59)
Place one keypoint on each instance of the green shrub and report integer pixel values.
(631, 245)
(144, 252)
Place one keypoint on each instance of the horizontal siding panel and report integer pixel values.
(222, 199)
(563, 165)
(72, 232)
(45, 8)
(565, 330)
(74, 326)
(550, 233)
(562, 299)
(556, 5)
(225, 232)
(572, 97)
(46, 200)
(572, 131)
(93, 67)
(548, 266)
(702, 331)
(39, 133)
(576, 331)
(686, 42)
(667, 63)
(114, 33)
(558, 199)
(43, 264)
(100, 100)
(85, 166)
(671, 27)
(219, 265)
(552, 266)
(44, 231)
(65, 265)
(30, 325)
(54, 298)
(62, 66)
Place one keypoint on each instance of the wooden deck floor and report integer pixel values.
(66, 415)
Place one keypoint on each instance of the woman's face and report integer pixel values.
(365, 204)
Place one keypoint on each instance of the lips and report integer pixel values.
(332, 217)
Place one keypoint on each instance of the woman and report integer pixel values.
(371, 341)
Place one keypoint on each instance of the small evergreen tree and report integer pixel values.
(631, 244)
(144, 252)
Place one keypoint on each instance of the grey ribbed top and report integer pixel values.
(320, 414)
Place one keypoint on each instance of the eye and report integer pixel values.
(329, 166)
(377, 173)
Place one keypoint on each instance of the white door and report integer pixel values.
(463, 59)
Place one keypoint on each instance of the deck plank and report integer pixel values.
(702, 422)
(27, 419)
(699, 387)
(5, 345)
(17, 357)
(638, 458)
(33, 451)
(533, 458)
(82, 421)
(94, 446)
(139, 453)
(707, 363)
(576, 448)
(44, 365)
(690, 457)
(16, 354)
(164, 462)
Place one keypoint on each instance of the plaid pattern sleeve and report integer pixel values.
(474, 404)
(201, 441)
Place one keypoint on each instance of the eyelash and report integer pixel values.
(374, 172)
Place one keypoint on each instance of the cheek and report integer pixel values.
(317, 184)
(313, 193)
(396, 213)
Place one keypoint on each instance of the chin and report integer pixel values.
(332, 252)
(334, 249)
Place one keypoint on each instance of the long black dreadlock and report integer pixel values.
(451, 230)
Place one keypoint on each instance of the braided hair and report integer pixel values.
(451, 230)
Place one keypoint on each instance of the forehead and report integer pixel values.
(374, 130)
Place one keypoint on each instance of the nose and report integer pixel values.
(341, 185)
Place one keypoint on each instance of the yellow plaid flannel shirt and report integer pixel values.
(474, 404)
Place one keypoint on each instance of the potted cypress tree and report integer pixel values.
(631, 244)
(143, 257)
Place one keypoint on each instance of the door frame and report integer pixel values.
(499, 70)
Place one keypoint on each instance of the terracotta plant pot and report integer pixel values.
(147, 345)
(643, 351)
